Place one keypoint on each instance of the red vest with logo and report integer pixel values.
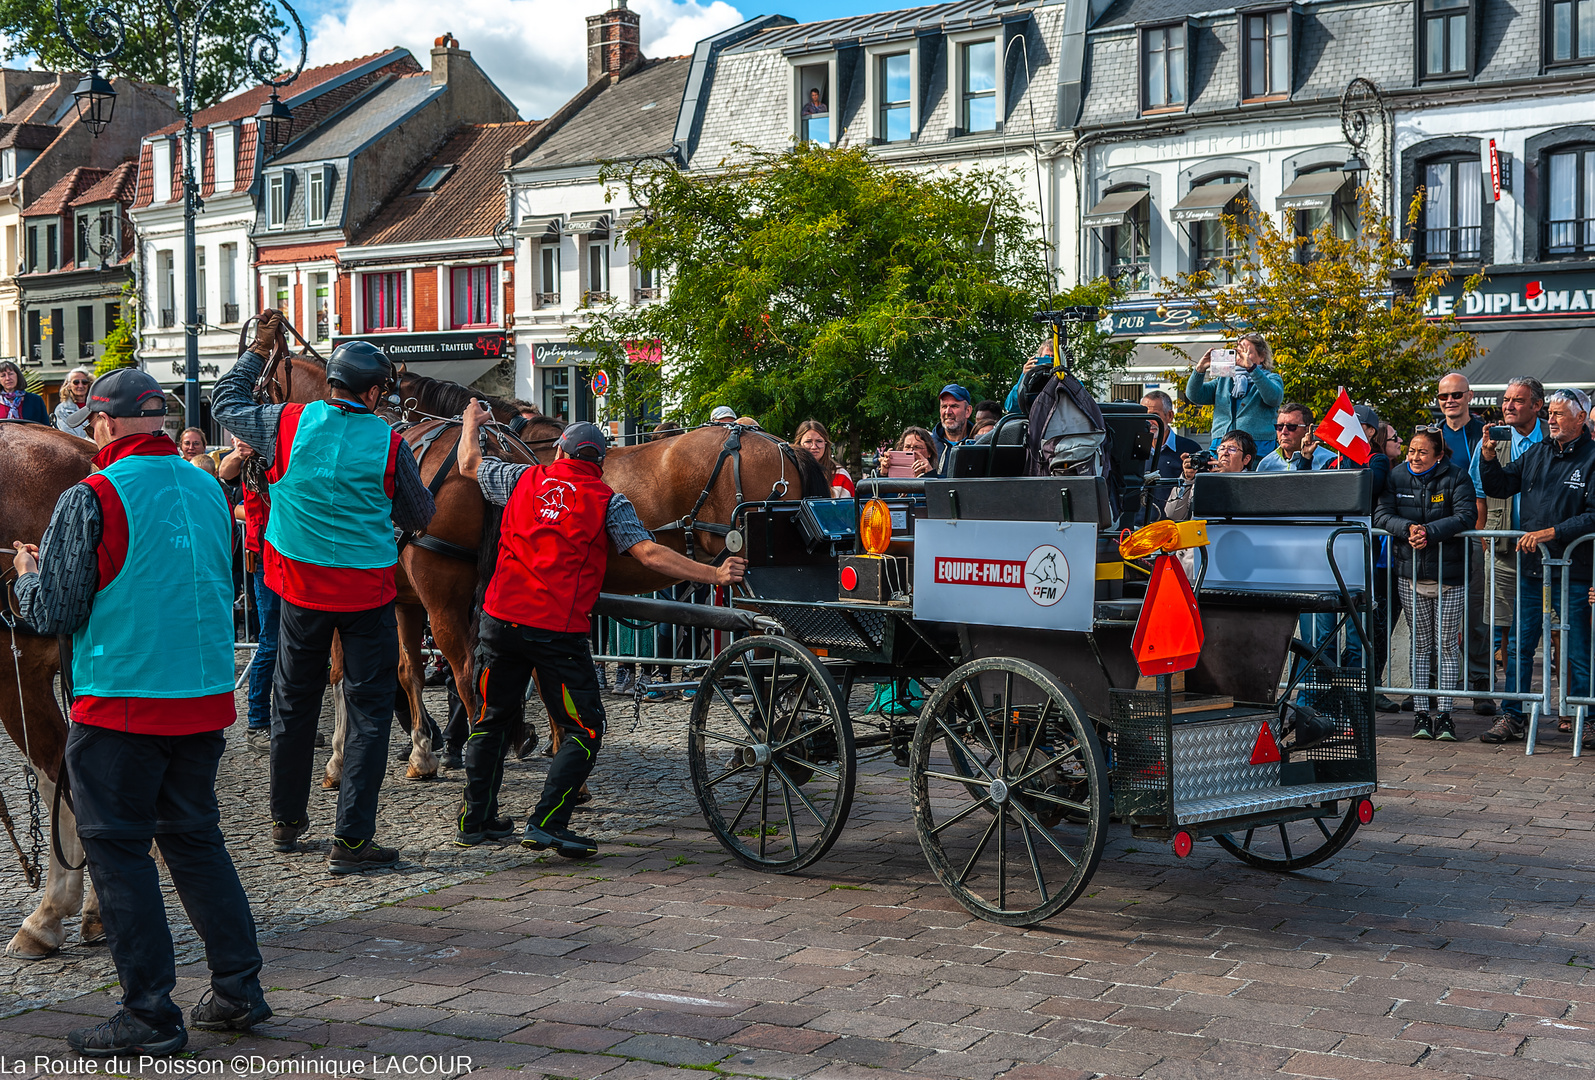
(552, 548)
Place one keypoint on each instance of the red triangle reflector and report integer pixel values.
(1168, 636)
(1265, 749)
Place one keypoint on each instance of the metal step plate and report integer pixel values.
(1261, 800)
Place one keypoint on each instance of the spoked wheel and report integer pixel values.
(1293, 845)
(774, 770)
(1009, 789)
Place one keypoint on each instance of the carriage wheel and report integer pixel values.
(773, 775)
(1292, 845)
(1009, 790)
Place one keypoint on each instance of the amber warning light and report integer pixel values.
(875, 527)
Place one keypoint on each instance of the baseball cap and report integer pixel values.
(585, 441)
(956, 391)
(1368, 415)
(722, 412)
(123, 392)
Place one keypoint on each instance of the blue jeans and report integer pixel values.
(268, 606)
(1520, 659)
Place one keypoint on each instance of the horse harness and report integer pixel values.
(730, 450)
(437, 545)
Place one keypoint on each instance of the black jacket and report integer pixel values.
(1555, 484)
(1443, 502)
(1170, 465)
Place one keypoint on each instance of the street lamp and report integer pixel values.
(96, 99)
(1361, 104)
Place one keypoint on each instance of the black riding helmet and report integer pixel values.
(357, 366)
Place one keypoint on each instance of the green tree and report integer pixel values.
(1336, 311)
(820, 283)
(121, 342)
(150, 51)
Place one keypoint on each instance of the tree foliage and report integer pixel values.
(820, 283)
(120, 344)
(150, 50)
(1334, 319)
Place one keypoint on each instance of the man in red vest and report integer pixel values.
(560, 521)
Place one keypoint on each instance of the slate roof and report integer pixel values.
(385, 105)
(25, 136)
(886, 25)
(469, 202)
(632, 118)
(1131, 12)
(35, 100)
(245, 104)
(64, 191)
(118, 185)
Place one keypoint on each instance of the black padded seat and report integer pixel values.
(1304, 601)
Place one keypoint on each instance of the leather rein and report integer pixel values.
(730, 450)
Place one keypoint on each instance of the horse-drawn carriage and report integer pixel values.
(1012, 596)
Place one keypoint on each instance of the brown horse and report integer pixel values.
(37, 464)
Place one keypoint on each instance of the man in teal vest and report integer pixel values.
(137, 567)
(340, 480)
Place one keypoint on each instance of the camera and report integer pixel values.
(1202, 461)
(1500, 433)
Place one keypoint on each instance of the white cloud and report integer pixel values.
(535, 50)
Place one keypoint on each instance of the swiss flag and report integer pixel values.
(1343, 431)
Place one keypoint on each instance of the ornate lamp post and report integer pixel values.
(1361, 106)
(96, 99)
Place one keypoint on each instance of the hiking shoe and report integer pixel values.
(216, 1014)
(1408, 705)
(453, 759)
(563, 841)
(1386, 703)
(1483, 707)
(1506, 728)
(258, 740)
(1420, 726)
(354, 858)
(125, 1033)
(1444, 729)
(497, 829)
(285, 834)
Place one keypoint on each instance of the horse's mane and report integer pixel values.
(437, 397)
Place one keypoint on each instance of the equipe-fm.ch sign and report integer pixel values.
(1508, 296)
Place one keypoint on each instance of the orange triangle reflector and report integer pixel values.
(1266, 748)
(1168, 636)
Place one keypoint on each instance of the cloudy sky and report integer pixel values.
(533, 49)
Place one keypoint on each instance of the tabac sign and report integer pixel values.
(1518, 296)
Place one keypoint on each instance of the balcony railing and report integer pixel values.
(1570, 236)
(58, 350)
(168, 318)
(229, 313)
(199, 317)
(37, 349)
(643, 295)
(548, 299)
(85, 350)
(1131, 275)
(595, 296)
(1461, 243)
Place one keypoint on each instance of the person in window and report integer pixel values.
(1427, 504)
(16, 403)
(814, 106)
(1245, 401)
(814, 440)
(74, 395)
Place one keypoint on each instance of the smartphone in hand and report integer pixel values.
(1501, 433)
(899, 464)
(1222, 363)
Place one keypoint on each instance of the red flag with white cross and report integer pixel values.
(1342, 431)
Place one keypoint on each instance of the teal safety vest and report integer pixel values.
(330, 507)
(163, 627)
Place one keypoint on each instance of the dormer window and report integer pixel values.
(977, 86)
(1163, 68)
(815, 90)
(277, 200)
(1571, 31)
(1267, 56)
(318, 189)
(892, 81)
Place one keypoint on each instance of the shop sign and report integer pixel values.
(421, 348)
(210, 371)
(561, 353)
(1516, 296)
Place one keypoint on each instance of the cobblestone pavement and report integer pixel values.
(636, 788)
(1451, 938)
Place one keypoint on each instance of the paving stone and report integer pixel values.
(670, 1050)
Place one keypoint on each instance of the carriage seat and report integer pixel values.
(1001, 454)
(1329, 493)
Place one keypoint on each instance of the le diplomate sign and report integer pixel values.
(1568, 295)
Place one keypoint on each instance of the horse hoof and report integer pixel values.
(412, 773)
(30, 946)
(92, 931)
(328, 783)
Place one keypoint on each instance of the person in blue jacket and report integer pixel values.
(1246, 400)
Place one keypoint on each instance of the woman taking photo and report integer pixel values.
(15, 401)
(922, 444)
(1427, 502)
(814, 440)
(1247, 400)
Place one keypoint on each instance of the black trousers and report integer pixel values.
(507, 656)
(370, 656)
(459, 725)
(129, 790)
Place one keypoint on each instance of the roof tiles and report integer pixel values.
(632, 118)
(470, 200)
(61, 194)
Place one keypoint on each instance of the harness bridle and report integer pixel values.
(731, 450)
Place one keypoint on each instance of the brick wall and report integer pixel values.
(345, 305)
(425, 308)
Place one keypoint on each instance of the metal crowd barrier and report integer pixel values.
(651, 649)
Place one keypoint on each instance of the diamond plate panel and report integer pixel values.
(1215, 758)
(1262, 800)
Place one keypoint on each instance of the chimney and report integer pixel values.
(614, 40)
(445, 52)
